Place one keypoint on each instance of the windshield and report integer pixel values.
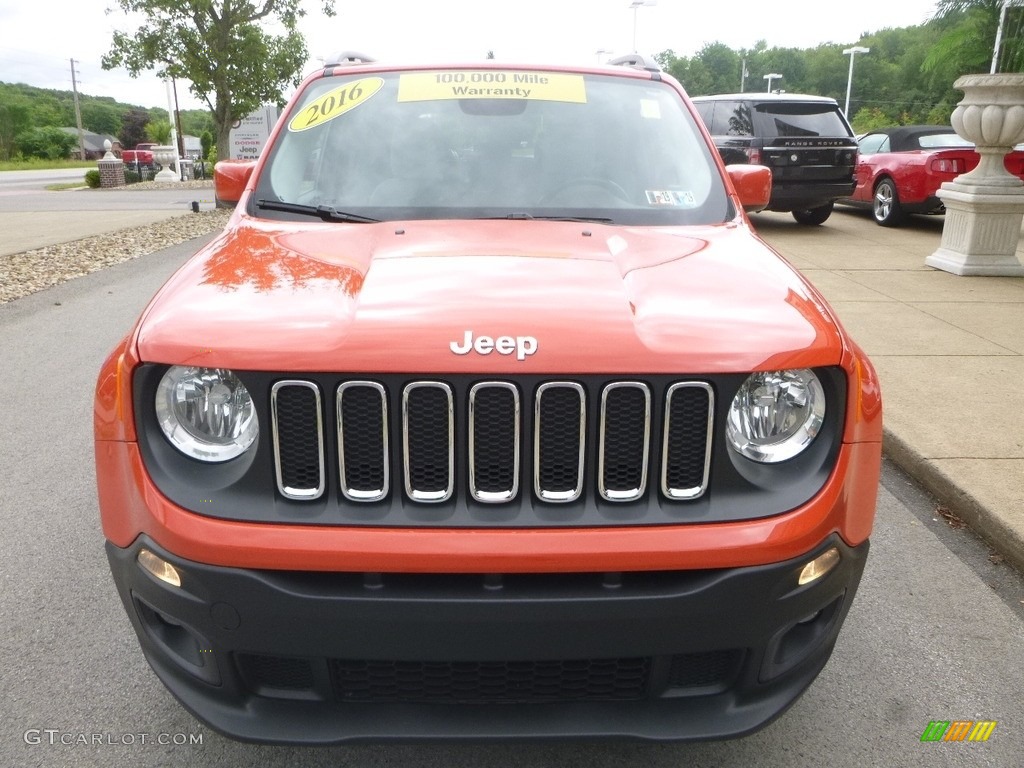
(493, 144)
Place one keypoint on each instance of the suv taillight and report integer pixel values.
(753, 155)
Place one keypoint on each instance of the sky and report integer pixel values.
(37, 40)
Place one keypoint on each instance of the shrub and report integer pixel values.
(131, 177)
(46, 143)
(92, 178)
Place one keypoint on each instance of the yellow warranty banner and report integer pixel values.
(488, 84)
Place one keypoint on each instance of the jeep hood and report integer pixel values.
(394, 297)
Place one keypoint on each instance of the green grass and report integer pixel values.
(62, 187)
(35, 164)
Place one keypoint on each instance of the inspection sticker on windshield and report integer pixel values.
(671, 197)
(540, 86)
(335, 103)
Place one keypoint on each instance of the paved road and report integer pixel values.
(927, 639)
(32, 217)
(27, 180)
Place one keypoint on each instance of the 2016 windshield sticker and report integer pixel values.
(671, 197)
(335, 103)
(539, 86)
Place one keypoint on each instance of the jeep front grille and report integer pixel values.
(494, 436)
(491, 436)
(298, 433)
(363, 440)
(428, 438)
(559, 441)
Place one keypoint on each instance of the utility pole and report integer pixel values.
(177, 121)
(78, 112)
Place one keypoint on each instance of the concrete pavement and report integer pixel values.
(949, 351)
(950, 354)
(24, 231)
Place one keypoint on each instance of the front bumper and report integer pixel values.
(318, 658)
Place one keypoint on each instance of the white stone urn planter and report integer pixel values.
(164, 154)
(985, 208)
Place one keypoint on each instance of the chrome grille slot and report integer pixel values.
(625, 432)
(494, 438)
(298, 435)
(559, 441)
(428, 429)
(363, 458)
(686, 451)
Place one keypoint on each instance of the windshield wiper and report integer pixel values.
(325, 212)
(531, 217)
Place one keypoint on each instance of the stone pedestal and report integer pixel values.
(981, 231)
(111, 173)
(985, 208)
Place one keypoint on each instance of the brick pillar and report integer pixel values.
(111, 173)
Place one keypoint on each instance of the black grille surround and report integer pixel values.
(404, 475)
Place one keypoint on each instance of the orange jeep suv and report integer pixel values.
(487, 416)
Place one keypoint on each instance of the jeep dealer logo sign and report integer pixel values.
(523, 346)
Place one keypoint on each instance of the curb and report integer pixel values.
(984, 521)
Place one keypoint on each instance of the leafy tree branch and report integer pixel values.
(221, 47)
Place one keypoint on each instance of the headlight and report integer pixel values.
(206, 413)
(776, 414)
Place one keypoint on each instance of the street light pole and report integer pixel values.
(770, 77)
(851, 52)
(634, 5)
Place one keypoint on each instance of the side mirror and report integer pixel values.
(753, 184)
(230, 178)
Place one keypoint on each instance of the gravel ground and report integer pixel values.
(40, 268)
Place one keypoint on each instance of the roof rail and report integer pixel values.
(348, 57)
(637, 61)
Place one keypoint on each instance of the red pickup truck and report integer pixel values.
(141, 156)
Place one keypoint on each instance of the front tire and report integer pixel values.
(814, 216)
(885, 205)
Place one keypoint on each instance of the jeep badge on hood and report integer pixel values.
(523, 346)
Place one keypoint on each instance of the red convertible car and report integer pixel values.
(900, 169)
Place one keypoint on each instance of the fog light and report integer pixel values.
(161, 568)
(819, 567)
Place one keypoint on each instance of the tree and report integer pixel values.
(101, 118)
(159, 131)
(969, 40)
(47, 143)
(221, 48)
(133, 127)
(14, 119)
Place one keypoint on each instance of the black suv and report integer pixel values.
(805, 140)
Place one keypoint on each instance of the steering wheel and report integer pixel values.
(586, 181)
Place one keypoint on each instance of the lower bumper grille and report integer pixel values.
(485, 682)
(512, 681)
